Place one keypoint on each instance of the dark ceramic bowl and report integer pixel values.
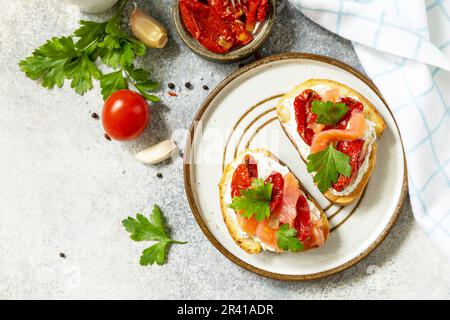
(261, 35)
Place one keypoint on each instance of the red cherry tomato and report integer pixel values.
(125, 115)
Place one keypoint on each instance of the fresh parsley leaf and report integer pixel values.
(81, 72)
(121, 79)
(48, 63)
(328, 164)
(153, 229)
(142, 230)
(254, 201)
(144, 87)
(114, 53)
(287, 239)
(150, 97)
(74, 58)
(117, 48)
(54, 74)
(157, 219)
(138, 74)
(156, 253)
(328, 113)
(127, 56)
(147, 86)
(59, 59)
(140, 78)
(112, 82)
(57, 48)
(89, 34)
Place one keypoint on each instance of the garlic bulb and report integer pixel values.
(158, 153)
(148, 30)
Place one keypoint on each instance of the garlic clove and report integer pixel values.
(148, 30)
(157, 153)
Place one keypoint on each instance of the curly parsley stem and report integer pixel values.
(178, 242)
(121, 8)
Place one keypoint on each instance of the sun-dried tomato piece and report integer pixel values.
(352, 104)
(302, 222)
(263, 10)
(353, 149)
(304, 116)
(277, 189)
(251, 14)
(206, 26)
(220, 26)
(242, 36)
(243, 176)
(226, 10)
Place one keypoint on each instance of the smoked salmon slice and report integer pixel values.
(317, 237)
(331, 95)
(248, 225)
(287, 210)
(288, 205)
(267, 234)
(355, 130)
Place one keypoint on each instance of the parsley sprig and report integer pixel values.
(74, 58)
(143, 229)
(287, 239)
(327, 165)
(254, 201)
(328, 113)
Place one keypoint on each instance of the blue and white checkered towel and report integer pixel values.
(404, 46)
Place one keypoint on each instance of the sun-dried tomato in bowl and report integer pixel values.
(220, 26)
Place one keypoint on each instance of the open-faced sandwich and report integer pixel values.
(265, 208)
(334, 129)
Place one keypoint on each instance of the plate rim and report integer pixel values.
(187, 169)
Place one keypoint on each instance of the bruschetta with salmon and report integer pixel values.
(265, 207)
(335, 130)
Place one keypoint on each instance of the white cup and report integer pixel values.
(93, 6)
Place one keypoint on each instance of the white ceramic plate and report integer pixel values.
(240, 113)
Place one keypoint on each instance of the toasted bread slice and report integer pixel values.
(247, 243)
(286, 116)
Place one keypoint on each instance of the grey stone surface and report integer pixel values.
(64, 188)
